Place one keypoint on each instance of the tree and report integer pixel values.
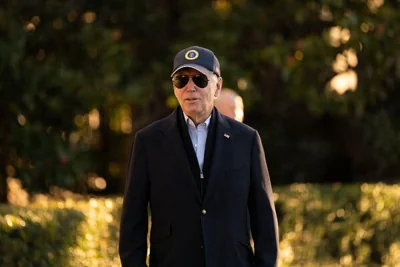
(318, 78)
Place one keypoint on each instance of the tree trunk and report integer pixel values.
(4, 124)
(3, 181)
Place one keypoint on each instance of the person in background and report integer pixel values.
(205, 179)
(230, 104)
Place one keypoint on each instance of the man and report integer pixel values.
(230, 104)
(204, 177)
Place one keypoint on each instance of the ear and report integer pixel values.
(218, 87)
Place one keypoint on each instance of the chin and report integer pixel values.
(190, 109)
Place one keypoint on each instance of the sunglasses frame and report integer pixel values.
(190, 77)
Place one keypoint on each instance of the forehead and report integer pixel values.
(188, 71)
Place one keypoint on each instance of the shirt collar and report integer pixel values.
(190, 122)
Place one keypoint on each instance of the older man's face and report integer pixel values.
(197, 102)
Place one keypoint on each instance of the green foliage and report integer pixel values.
(339, 225)
(37, 236)
(320, 225)
(60, 61)
(68, 233)
(52, 71)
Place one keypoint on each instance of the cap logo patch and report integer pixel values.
(191, 55)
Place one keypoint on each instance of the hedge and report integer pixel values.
(68, 233)
(335, 225)
(320, 225)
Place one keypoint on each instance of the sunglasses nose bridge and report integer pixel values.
(190, 84)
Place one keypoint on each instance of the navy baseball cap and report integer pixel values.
(198, 58)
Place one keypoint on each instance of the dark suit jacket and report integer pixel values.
(188, 230)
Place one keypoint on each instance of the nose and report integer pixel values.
(190, 85)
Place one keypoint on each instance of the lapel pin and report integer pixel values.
(227, 136)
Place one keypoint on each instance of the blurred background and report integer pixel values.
(319, 80)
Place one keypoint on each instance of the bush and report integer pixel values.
(37, 237)
(320, 225)
(68, 234)
(352, 225)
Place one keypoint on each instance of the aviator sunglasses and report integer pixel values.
(180, 81)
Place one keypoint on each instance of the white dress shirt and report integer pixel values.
(198, 135)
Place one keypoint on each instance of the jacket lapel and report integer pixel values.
(176, 154)
(222, 151)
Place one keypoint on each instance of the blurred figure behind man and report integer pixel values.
(230, 104)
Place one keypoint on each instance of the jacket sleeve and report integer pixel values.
(263, 220)
(134, 218)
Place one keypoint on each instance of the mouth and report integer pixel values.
(192, 100)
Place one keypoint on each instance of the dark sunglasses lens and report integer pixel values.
(180, 81)
(200, 80)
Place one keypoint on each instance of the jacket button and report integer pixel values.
(204, 212)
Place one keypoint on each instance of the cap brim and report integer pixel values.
(194, 66)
